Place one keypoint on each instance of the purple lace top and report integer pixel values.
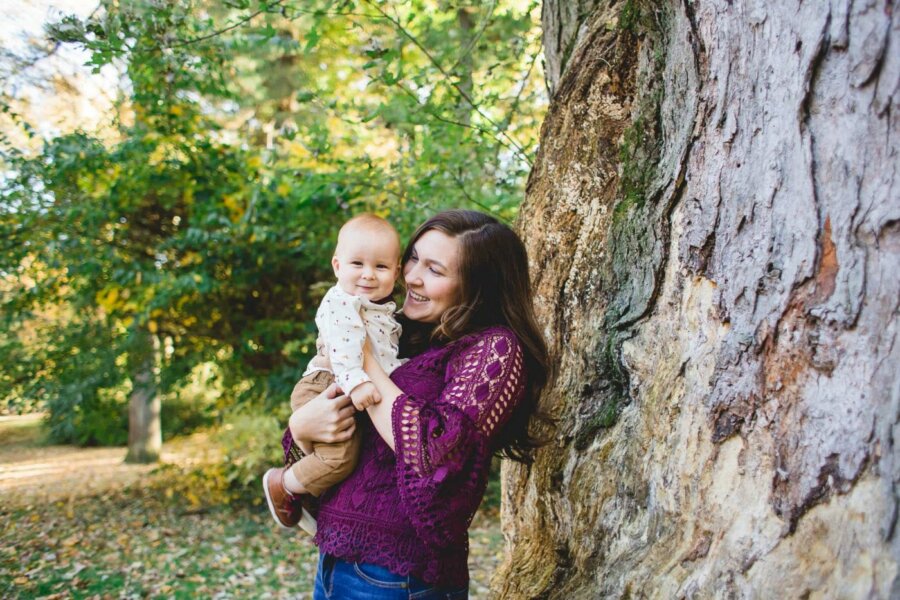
(410, 511)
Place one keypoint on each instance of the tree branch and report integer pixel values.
(449, 79)
(305, 11)
(438, 117)
(265, 9)
(524, 83)
(462, 188)
(476, 37)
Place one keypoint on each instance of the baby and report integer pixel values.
(366, 263)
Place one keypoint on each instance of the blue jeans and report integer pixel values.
(340, 580)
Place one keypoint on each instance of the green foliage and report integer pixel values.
(185, 240)
(197, 403)
(243, 449)
(84, 401)
(247, 133)
(247, 444)
(420, 102)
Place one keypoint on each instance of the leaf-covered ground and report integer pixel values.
(126, 535)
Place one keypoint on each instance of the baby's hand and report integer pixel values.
(365, 395)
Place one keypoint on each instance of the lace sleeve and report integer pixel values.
(443, 448)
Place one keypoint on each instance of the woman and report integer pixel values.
(397, 527)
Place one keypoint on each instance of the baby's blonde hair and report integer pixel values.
(368, 223)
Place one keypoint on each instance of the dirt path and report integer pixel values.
(32, 472)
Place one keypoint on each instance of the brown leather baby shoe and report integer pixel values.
(283, 505)
(286, 508)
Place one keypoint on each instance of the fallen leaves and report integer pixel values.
(135, 544)
(141, 541)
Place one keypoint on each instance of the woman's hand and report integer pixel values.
(327, 418)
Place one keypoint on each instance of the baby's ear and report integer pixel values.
(336, 265)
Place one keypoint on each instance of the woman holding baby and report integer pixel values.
(476, 362)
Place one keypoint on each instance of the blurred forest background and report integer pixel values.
(714, 240)
(170, 251)
(185, 242)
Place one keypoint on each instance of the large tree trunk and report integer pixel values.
(714, 229)
(144, 426)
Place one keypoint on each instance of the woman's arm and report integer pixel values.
(380, 413)
(443, 445)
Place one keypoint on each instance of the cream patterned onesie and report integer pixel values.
(344, 322)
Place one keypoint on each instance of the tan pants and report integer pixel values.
(329, 463)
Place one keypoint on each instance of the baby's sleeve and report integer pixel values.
(344, 333)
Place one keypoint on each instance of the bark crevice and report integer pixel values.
(712, 226)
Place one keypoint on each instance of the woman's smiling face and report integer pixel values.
(432, 277)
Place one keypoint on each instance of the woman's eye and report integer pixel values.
(436, 272)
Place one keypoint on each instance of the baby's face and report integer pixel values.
(367, 265)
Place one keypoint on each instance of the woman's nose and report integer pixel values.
(412, 275)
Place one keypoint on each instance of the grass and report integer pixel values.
(141, 537)
(134, 545)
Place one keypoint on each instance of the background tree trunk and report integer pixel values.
(714, 229)
(464, 64)
(144, 404)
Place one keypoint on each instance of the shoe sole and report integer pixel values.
(272, 504)
(308, 523)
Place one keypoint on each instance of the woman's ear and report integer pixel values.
(336, 265)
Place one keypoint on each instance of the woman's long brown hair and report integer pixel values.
(495, 289)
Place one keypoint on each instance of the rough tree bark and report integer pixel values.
(714, 228)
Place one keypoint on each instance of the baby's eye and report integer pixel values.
(382, 267)
(356, 263)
